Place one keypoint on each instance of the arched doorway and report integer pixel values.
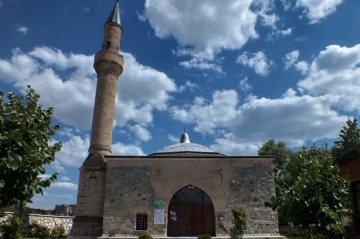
(191, 213)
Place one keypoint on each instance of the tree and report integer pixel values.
(349, 139)
(25, 135)
(316, 194)
(280, 152)
(282, 155)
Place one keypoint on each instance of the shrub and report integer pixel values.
(38, 231)
(57, 231)
(206, 236)
(239, 220)
(145, 236)
(11, 228)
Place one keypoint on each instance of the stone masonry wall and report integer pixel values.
(130, 188)
(49, 221)
(133, 184)
(250, 187)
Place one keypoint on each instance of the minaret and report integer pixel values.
(108, 65)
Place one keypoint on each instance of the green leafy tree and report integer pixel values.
(280, 152)
(25, 134)
(282, 157)
(349, 139)
(315, 193)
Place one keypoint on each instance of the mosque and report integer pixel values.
(183, 190)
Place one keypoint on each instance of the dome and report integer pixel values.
(186, 147)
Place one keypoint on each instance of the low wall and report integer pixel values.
(49, 221)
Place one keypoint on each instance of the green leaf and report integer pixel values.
(24, 147)
(2, 183)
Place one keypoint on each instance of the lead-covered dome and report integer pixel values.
(185, 147)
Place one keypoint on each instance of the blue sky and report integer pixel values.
(235, 73)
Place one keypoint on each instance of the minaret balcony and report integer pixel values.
(110, 62)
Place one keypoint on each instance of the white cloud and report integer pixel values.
(44, 176)
(315, 110)
(316, 10)
(123, 150)
(302, 66)
(67, 82)
(335, 72)
(291, 58)
(209, 116)
(279, 33)
(22, 29)
(188, 85)
(67, 196)
(285, 32)
(141, 16)
(259, 119)
(216, 25)
(58, 167)
(64, 178)
(227, 145)
(257, 61)
(269, 19)
(198, 63)
(65, 185)
(140, 132)
(87, 9)
(173, 138)
(244, 84)
(286, 4)
(75, 150)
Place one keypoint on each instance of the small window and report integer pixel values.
(141, 222)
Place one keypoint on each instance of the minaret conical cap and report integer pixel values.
(115, 14)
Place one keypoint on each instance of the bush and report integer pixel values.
(38, 231)
(239, 223)
(206, 236)
(239, 220)
(145, 236)
(57, 231)
(11, 229)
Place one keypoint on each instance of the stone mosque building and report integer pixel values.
(183, 190)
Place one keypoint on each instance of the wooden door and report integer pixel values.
(190, 213)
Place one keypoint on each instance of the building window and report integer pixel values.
(141, 221)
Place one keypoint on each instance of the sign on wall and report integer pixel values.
(159, 202)
(159, 216)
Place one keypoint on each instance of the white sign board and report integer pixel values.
(159, 216)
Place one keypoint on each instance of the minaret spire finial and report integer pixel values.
(114, 16)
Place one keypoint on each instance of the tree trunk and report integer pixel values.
(309, 232)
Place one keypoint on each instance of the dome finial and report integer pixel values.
(184, 137)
